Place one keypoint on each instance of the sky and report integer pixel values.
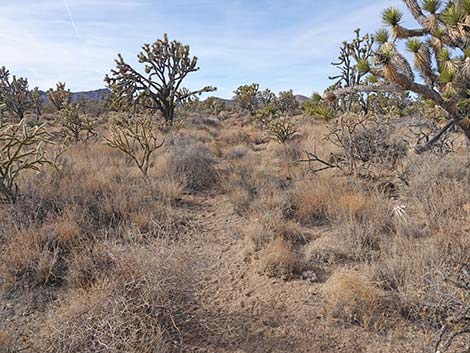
(280, 44)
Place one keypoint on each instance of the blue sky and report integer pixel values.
(280, 44)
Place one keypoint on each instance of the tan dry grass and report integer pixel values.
(352, 296)
(279, 259)
(139, 306)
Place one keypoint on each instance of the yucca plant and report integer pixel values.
(440, 46)
(320, 110)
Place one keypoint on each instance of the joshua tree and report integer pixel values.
(214, 105)
(287, 102)
(361, 48)
(441, 49)
(166, 66)
(60, 97)
(266, 98)
(14, 93)
(36, 102)
(247, 97)
(190, 103)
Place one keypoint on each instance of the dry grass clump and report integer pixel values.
(279, 259)
(6, 342)
(250, 179)
(326, 250)
(193, 163)
(362, 223)
(288, 152)
(88, 263)
(59, 221)
(236, 152)
(263, 228)
(436, 191)
(197, 122)
(320, 200)
(351, 205)
(168, 188)
(352, 296)
(110, 194)
(36, 256)
(420, 262)
(272, 238)
(233, 137)
(312, 198)
(142, 306)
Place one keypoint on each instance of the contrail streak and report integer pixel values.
(72, 21)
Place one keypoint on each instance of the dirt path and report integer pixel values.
(250, 312)
(240, 310)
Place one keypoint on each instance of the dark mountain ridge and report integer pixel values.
(94, 95)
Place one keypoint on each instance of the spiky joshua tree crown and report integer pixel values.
(440, 47)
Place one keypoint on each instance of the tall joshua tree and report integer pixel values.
(14, 93)
(166, 65)
(361, 48)
(440, 46)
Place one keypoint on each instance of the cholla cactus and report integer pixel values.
(37, 102)
(278, 126)
(60, 98)
(75, 124)
(14, 93)
(138, 138)
(281, 129)
(166, 64)
(441, 50)
(21, 149)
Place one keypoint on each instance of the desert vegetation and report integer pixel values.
(157, 221)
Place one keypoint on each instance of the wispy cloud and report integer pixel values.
(279, 44)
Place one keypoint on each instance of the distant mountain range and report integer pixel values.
(95, 95)
(103, 93)
(301, 98)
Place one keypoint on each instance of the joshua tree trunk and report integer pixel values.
(465, 126)
(169, 112)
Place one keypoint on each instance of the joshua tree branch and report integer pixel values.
(416, 11)
(366, 88)
(431, 142)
